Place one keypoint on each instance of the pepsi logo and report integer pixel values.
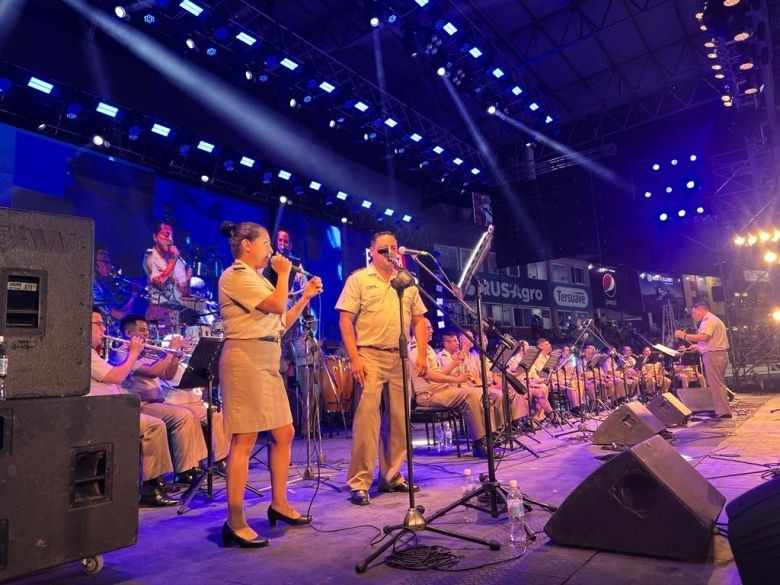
(609, 285)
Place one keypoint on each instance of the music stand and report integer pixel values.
(203, 372)
(595, 363)
(529, 358)
(551, 366)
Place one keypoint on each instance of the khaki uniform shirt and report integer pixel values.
(241, 289)
(375, 304)
(420, 384)
(715, 328)
(99, 370)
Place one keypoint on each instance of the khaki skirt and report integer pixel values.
(253, 394)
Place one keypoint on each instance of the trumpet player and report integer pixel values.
(186, 439)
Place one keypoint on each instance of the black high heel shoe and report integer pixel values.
(229, 537)
(274, 517)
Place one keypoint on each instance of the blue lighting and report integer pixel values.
(648, 194)
(263, 78)
(699, 210)
(407, 218)
(392, 18)
(668, 189)
(246, 39)
(289, 64)
(107, 109)
(475, 171)
(314, 185)
(416, 137)
(360, 106)
(184, 150)
(656, 167)
(533, 106)
(693, 158)
(457, 160)
(421, 2)
(438, 149)
(307, 99)
(663, 217)
(681, 213)
(149, 18)
(40, 85)
(229, 165)
(325, 86)
(267, 176)
(389, 212)
(391, 123)
(161, 130)
(475, 52)
(191, 7)
(247, 162)
(548, 120)
(284, 174)
(517, 90)
(690, 184)
(366, 204)
(205, 146)
(497, 73)
(674, 162)
(73, 111)
(341, 196)
(211, 51)
(134, 133)
(450, 28)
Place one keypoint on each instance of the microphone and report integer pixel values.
(294, 267)
(404, 250)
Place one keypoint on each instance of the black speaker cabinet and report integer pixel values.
(628, 425)
(45, 302)
(68, 479)
(754, 533)
(697, 399)
(647, 500)
(669, 410)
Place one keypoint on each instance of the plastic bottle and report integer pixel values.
(469, 487)
(447, 435)
(515, 513)
(438, 437)
(3, 368)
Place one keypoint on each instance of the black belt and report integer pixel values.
(267, 338)
(390, 349)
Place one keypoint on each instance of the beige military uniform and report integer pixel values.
(375, 306)
(252, 388)
(155, 455)
(715, 358)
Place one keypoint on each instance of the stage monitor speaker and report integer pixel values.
(647, 500)
(754, 533)
(68, 480)
(669, 410)
(697, 399)
(628, 425)
(46, 266)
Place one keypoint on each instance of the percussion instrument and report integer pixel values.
(338, 398)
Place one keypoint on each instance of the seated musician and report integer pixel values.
(627, 364)
(155, 456)
(568, 379)
(652, 378)
(145, 379)
(436, 388)
(105, 293)
(613, 378)
(590, 376)
(687, 374)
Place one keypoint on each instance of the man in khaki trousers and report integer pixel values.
(370, 326)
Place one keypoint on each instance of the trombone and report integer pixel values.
(117, 342)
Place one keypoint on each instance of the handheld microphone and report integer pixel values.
(294, 267)
(405, 250)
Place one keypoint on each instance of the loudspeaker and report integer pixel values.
(669, 410)
(697, 399)
(717, 293)
(647, 500)
(68, 479)
(754, 533)
(628, 425)
(45, 302)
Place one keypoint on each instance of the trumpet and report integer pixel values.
(117, 342)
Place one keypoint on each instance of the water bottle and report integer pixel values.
(438, 436)
(447, 435)
(3, 368)
(469, 487)
(515, 513)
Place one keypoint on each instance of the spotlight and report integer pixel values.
(491, 110)
(249, 75)
(681, 213)
(742, 36)
(770, 257)
(693, 158)
(332, 124)
(739, 241)
(120, 12)
(728, 104)
(344, 220)
(764, 236)
(441, 72)
(293, 102)
(190, 43)
(674, 162)
(374, 22)
(41, 127)
(663, 217)
(719, 76)
(751, 240)
(690, 184)
(648, 194)
(98, 140)
(282, 199)
(717, 67)
(668, 189)
(204, 178)
(729, 3)
(656, 167)
(700, 210)
(746, 65)
(776, 315)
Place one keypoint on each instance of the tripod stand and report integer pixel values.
(414, 521)
(202, 371)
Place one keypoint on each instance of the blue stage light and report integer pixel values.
(648, 194)
(392, 18)
(289, 64)
(438, 149)
(184, 150)
(267, 177)
(366, 204)
(699, 210)
(517, 90)
(475, 171)
(668, 189)
(191, 7)
(341, 196)
(263, 78)
(314, 185)
(40, 85)
(391, 123)
(450, 28)
(533, 106)
(307, 99)
(475, 52)
(134, 133)
(663, 217)
(327, 87)
(361, 106)
(457, 160)
(690, 184)
(416, 137)
(407, 218)
(107, 109)
(681, 213)
(211, 51)
(284, 174)
(246, 38)
(497, 73)
(73, 111)
(693, 158)
(389, 212)
(161, 130)
(229, 165)
(149, 18)
(656, 167)
(247, 162)
(205, 146)
(421, 2)
(548, 120)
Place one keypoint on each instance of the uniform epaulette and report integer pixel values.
(237, 267)
(358, 270)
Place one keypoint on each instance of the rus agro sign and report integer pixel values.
(510, 291)
(567, 297)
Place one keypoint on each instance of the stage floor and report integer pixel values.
(185, 549)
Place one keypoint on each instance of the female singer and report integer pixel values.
(254, 317)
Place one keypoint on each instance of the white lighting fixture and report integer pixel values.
(289, 64)
(475, 52)
(517, 90)
(533, 106)
(668, 189)
(97, 140)
(374, 21)
(161, 130)
(407, 218)
(497, 73)
(422, 2)
(674, 162)
(341, 196)
(656, 167)
(205, 146)
(282, 174)
(204, 178)
(190, 44)
(699, 210)
(389, 212)
(315, 186)
(548, 120)
(361, 106)
(416, 137)
(475, 171)
(40, 85)
(191, 7)
(438, 149)
(458, 161)
(681, 213)
(120, 11)
(246, 38)
(450, 28)
(107, 109)
(247, 162)
(491, 109)
(344, 220)
(366, 204)
(325, 86)
(648, 194)
(282, 199)
(663, 217)
(441, 71)
(690, 184)
(391, 123)
(693, 158)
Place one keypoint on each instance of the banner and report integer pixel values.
(483, 209)
(570, 297)
(511, 291)
(659, 289)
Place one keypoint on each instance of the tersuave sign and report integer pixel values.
(510, 291)
(570, 298)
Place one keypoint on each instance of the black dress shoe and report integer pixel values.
(274, 517)
(187, 477)
(727, 415)
(402, 487)
(229, 537)
(359, 498)
(156, 499)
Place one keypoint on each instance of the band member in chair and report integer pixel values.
(370, 327)
(106, 294)
(712, 343)
(687, 374)
(255, 317)
(168, 276)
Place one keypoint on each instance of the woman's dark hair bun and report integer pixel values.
(226, 228)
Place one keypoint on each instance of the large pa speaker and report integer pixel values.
(45, 302)
(669, 410)
(754, 533)
(68, 479)
(647, 501)
(697, 399)
(628, 425)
